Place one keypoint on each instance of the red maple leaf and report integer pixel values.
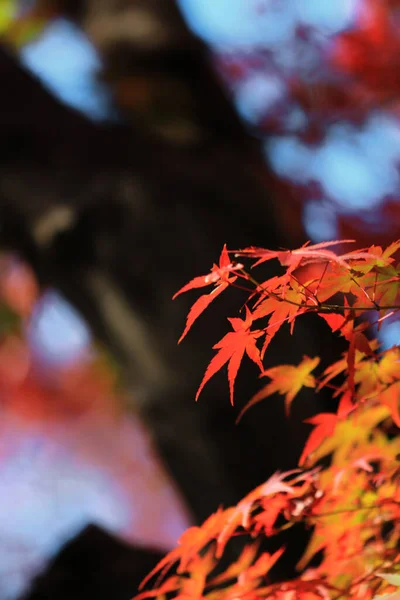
(325, 425)
(190, 544)
(219, 276)
(240, 515)
(231, 350)
(280, 311)
(303, 255)
(272, 507)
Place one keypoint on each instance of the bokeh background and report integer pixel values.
(301, 94)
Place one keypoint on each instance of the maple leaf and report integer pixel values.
(193, 585)
(220, 277)
(334, 320)
(286, 380)
(331, 280)
(282, 310)
(391, 249)
(240, 514)
(217, 273)
(357, 342)
(272, 508)
(388, 366)
(170, 585)
(345, 326)
(325, 425)
(351, 432)
(200, 305)
(390, 397)
(231, 350)
(258, 570)
(244, 561)
(346, 405)
(190, 544)
(335, 369)
(293, 258)
(381, 257)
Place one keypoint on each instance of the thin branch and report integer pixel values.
(320, 307)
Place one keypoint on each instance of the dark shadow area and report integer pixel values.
(94, 565)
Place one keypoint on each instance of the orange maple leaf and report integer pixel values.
(193, 584)
(169, 585)
(272, 507)
(325, 425)
(390, 398)
(241, 513)
(246, 558)
(247, 580)
(190, 544)
(231, 350)
(286, 380)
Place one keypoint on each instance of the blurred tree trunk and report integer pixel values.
(118, 217)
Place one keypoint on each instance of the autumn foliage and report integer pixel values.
(346, 487)
(40, 393)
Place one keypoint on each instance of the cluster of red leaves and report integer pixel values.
(353, 505)
(351, 82)
(361, 62)
(370, 52)
(353, 72)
